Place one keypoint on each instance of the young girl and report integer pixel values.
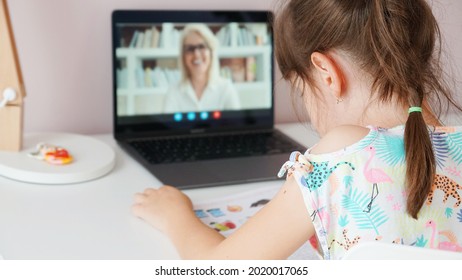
(385, 170)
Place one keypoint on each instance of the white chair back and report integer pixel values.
(385, 251)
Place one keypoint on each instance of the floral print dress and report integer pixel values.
(358, 194)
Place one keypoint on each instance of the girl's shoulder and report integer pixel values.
(340, 138)
(348, 139)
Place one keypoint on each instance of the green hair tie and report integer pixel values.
(415, 109)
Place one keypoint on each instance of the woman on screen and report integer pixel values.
(201, 88)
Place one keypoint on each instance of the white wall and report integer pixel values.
(449, 16)
(64, 49)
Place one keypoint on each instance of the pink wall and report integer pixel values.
(64, 50)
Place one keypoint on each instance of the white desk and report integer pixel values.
(92, 220)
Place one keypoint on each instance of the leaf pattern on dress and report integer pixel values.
(440, 148)
(343, 221)
(390, 149)
(355, 202)
(454, 142)
(459, 216)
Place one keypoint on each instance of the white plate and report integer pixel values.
(92, 159)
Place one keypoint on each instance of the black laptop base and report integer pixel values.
(223, 171)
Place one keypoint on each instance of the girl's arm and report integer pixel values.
(275, 232)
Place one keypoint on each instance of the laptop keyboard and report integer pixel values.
(193, 148)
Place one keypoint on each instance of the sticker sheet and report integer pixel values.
(226, 214)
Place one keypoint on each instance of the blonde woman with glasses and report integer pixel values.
(201, 88)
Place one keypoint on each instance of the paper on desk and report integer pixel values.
(226, 214)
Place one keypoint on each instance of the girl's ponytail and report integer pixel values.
(420, 162)
(403, 44)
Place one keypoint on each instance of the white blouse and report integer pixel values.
(219, 94)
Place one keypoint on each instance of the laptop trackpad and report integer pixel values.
(220, 172)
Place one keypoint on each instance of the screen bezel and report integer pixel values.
(152, 125)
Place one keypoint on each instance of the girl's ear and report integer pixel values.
(330, 74)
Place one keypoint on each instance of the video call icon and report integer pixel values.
(204, 116)
(178, 117)
(191, 116)
(217, 115)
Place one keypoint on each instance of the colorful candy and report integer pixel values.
(52, 154)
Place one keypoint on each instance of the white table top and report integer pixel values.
(92, 220)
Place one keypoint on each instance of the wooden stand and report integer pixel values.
(11, 115)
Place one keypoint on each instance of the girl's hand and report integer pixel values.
(160, 207)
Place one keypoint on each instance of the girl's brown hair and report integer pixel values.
(396, 41)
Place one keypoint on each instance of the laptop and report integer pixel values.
(186, 135)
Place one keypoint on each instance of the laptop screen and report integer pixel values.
(179, 71)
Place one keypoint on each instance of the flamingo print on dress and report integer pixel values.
(374, 176)
(450, 245)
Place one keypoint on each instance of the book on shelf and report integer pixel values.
(230, 35)
(140, 40)
(248, 37)
(259, 32)
(220, 35)
(147, 38)
(176, 35)
(234, 35)
(148, 82)
(134, 39)
(166, 35)
(250, 69)
(139, 76)
(155, 37)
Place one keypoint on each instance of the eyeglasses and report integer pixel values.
(193, 48)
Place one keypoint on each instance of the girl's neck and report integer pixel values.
(392, 116)
(357, 94)
(384, 117)
(387, 114)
